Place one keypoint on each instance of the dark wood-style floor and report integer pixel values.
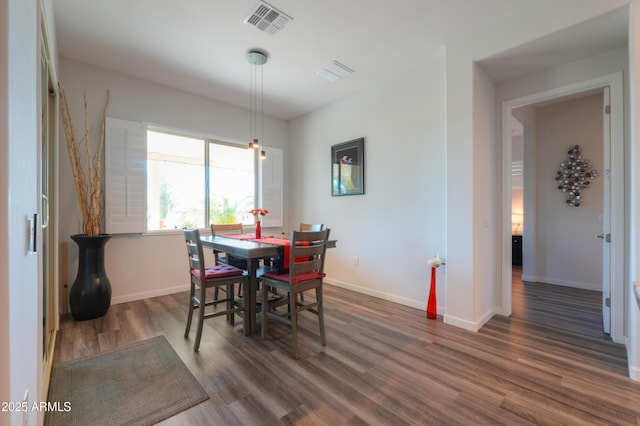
(386, 364)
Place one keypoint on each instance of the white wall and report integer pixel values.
(141, 266)
(21, 318)
(486, 165)
(398, 224)
(5, 334)
(568, 252)
(461, 218)
(565, 75)
(633, 345)
(50, 26)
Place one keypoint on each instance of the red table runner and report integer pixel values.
(282, 264)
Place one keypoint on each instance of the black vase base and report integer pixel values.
(94, 304)
(85, 316)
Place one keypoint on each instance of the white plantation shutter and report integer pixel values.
(125, 177)
(272, 182)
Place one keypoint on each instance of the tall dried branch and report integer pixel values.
(88, 188)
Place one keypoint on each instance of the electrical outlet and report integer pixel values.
(356, 261)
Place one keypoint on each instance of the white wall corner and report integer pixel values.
(470, 325)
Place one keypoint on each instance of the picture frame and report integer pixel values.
(347, 168)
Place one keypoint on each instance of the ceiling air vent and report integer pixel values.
(334, 71)
(267, 18)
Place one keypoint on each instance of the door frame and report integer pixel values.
(615, 83)
(47, 211)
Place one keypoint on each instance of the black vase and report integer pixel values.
(90, 294)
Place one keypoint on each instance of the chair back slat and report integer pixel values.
(307, 251)
(311, 226)
(226, 228)
(194, 250)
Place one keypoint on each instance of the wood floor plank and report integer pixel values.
(387, 364)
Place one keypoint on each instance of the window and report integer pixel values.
(231, 183)
(157, 180)
(177, 180)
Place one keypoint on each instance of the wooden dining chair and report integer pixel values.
(222, 258)
(306, 271)
(203, 278)
(228, 229)
(309, 227)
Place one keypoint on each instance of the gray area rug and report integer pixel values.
(140, 384)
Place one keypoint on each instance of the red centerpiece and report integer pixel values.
(258, 213)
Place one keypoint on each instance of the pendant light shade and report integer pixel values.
(256, 59)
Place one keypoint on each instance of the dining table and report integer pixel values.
(253, 251)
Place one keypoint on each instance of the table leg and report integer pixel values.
(254, 283)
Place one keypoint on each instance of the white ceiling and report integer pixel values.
(200, 45)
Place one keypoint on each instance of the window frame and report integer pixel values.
(207, 142)
(125, 174)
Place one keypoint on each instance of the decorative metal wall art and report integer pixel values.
(574, 176)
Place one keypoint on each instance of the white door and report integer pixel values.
(606, 213)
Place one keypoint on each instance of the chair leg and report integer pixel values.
(191, 296)
(203, 299)
(294, 320)
(320, 308)
(242, 292)
(265, 301)
(231, 303)
(215, 297)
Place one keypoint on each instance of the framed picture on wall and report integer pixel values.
(347, 168)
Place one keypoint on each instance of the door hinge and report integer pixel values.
(607, 302)
(607, 109)
(605, 237)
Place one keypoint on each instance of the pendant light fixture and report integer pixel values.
(256, 59)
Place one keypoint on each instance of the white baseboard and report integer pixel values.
(417, 304)
(566, 283)
(148, 294)
(634, 372)
(469, 325)
(458, 322)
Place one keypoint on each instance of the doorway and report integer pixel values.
(612, 223)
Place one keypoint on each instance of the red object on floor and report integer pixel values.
(432, 309)
(258, 230)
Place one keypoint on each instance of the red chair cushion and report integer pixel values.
(218, 271)
(306, 276)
